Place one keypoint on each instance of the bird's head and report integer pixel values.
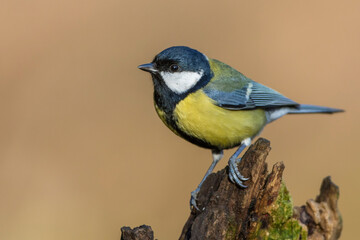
(179, 69)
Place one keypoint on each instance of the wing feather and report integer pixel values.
(232, 90)
(253, 95)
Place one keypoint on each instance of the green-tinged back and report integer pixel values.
(226, 78)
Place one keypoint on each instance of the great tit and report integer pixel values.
(214, 106)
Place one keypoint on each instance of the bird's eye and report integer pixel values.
(174, 68)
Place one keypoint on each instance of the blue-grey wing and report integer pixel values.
(251, 95)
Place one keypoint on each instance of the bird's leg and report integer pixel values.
(234, 174)
(217, 155)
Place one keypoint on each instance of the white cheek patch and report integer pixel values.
(180, 82)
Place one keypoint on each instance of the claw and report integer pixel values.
(234, 177)
(193, 200)
(237, 172)
(234, 173)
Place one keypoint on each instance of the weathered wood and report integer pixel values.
(322, 217)
(224, 205)
(264, 209)
(143, 232)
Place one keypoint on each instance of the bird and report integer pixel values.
(214, 106)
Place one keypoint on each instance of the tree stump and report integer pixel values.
(263, 210)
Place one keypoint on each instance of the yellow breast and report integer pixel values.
(199, 117)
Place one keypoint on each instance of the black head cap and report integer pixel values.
(185, 58)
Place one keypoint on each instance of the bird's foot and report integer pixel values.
(234, 174)
(193, 199)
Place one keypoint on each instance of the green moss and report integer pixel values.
(288, 230)
(281, 224)
(283, 208)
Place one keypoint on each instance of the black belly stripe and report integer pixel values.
(197, 141)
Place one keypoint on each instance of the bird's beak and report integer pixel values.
(148, 67)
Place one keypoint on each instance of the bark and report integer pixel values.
(143, 232)
(263, 210)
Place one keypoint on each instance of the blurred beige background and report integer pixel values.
(82, 151)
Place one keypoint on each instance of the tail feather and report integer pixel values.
(305, 108)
